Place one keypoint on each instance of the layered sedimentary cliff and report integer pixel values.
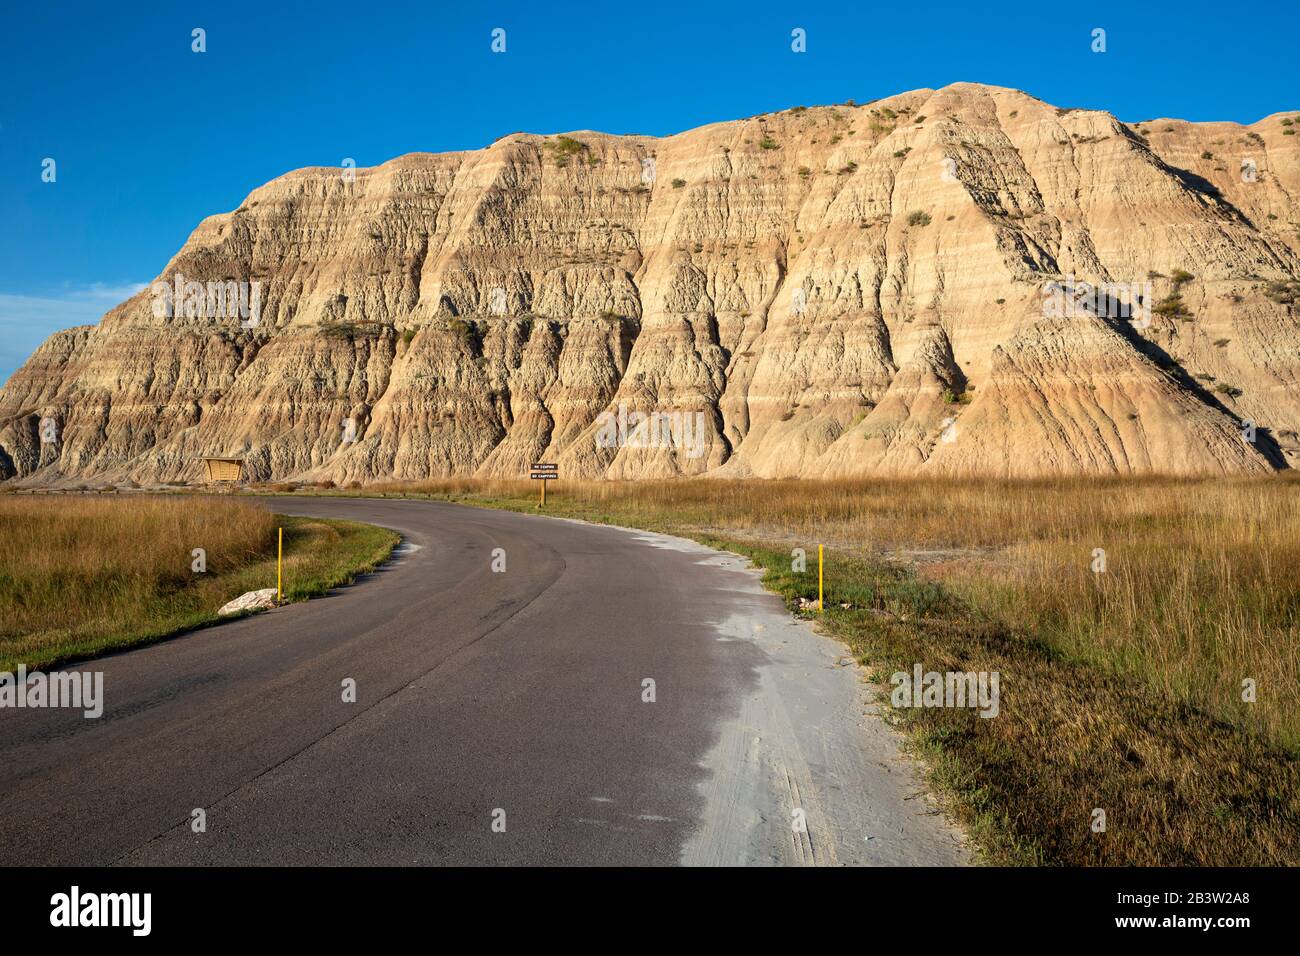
(891, 288)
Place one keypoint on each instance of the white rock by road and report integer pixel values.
(262, 600)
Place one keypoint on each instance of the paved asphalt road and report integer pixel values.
(476, 692)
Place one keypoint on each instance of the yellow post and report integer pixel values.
(279, 565)
(543, 492)
(820, 606)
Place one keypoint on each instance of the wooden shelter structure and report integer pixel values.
(223, 469)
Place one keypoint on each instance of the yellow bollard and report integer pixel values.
(279, 565)
(821, 608)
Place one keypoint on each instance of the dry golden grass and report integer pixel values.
(81, 575)
(74, 560)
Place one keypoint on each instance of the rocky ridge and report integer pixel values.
(833, 291)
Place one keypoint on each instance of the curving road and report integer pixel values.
(478, 692)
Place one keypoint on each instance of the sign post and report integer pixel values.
(543, 472)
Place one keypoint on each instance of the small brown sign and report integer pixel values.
(543, 471)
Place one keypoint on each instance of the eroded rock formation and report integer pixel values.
(844, 290)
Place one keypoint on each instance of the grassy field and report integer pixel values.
(81, 575)
(1121, 690)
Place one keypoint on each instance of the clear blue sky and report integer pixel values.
(150, 137)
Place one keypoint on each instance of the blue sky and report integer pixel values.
(150, 137)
